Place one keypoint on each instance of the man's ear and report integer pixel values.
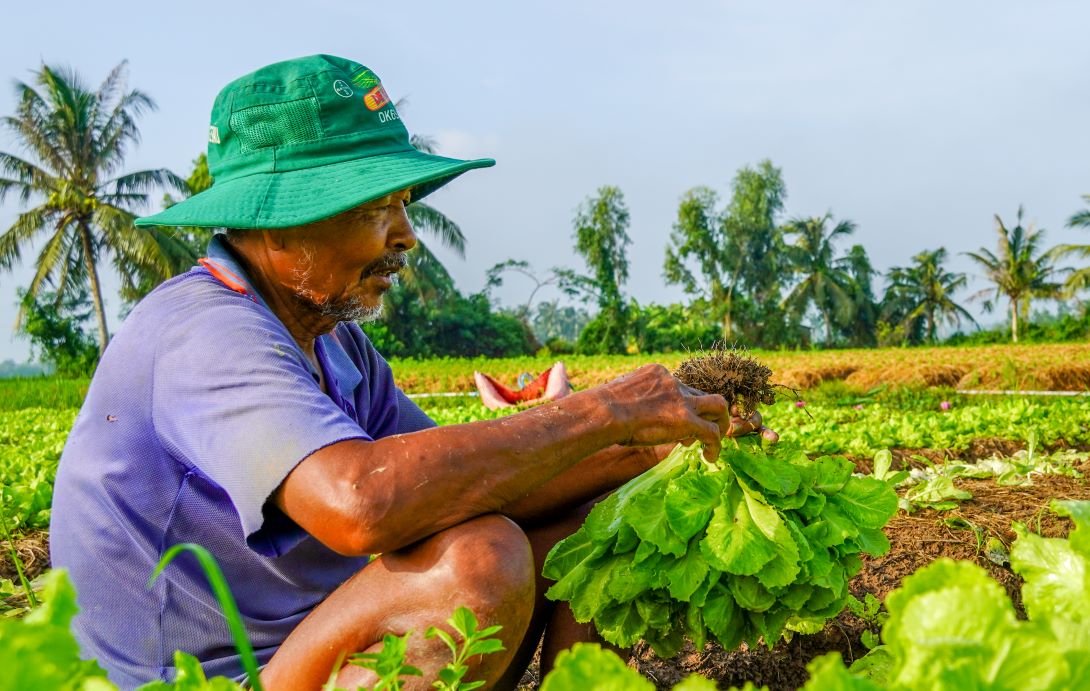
(275, 239)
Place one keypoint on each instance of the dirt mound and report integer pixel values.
(908, 374)
(809, 377)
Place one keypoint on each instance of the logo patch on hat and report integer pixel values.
(341, 88)
(365, 79)
(213, 134)
(376, 98)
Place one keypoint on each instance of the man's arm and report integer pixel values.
(603, 472)
(365, 497)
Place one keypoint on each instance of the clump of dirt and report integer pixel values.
(33, 551)
(731, 373)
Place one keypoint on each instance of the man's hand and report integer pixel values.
(652, 407)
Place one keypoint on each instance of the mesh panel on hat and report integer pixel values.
(291, 122)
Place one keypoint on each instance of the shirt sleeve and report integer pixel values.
(391, 411)
(410, 417)
(234, 400)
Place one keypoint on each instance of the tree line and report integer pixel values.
(757, 278)
(750, 275)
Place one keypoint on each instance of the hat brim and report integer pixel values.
(297, 197)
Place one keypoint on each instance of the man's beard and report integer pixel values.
(349, 309)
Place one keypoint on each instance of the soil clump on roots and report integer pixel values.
(731, 373)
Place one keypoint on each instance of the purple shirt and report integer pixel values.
(201, 406)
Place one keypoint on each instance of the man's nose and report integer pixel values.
(401, 236)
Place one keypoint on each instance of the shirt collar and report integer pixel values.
(224, 265)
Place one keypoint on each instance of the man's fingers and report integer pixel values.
(709, 434)
(710, 406)
(740, 427)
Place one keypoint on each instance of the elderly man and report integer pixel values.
(241, 407)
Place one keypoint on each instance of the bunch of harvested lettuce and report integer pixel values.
(727, 551)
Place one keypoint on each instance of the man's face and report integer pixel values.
(343, 265)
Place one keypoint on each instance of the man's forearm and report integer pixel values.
(396, 490)
(592, 477)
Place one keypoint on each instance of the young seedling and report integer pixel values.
(869, 609)
(31, 600)
(227, 603)
(474, 642)
(388, 663)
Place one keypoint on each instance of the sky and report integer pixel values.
(919, 121)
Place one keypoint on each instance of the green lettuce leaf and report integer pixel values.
(588, 667)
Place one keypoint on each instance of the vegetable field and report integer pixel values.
(964, 486)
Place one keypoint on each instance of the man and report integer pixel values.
(240, 407)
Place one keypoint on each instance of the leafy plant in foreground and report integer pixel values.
(38, 652)
(952, 627)
(587, 667)
(729, 551)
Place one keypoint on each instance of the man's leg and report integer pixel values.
(553, 618)
(485, 564)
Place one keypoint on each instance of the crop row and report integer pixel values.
(31, 440)
(1060, 367)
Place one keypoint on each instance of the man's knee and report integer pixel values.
(491, 556)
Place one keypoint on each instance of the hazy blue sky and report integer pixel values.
(917, 120)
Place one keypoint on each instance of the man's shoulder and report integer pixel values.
(192, 297)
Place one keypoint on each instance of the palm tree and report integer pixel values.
(77, 139)
(824, 282)
(1020, 271)
(1079, 279)
(862, 328)
(921, 295)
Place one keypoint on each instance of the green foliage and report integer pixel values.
(733, 258)
(588, 667)
(1021, 270)
(474, 642)
(55, 325)
(823, 284)
(187, 244)
(1043, 328)
(189, 676)
(85, 210)
(39, 653)
(869, 609)
(673, 328)
(900, 424)
(605, 333)
(919, 298)
(42, 392)
(558, 326)
(31, 442)
(457, 326)
(730, 551)
(601, 238)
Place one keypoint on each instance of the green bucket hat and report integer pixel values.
(303, 140)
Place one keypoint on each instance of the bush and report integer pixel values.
(57, 336)
(455, 327)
